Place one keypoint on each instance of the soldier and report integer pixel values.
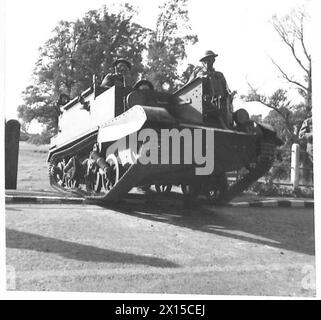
(306, 133)
(218, 95)
(218, 86)
(118, 78)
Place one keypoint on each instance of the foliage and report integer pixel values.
(291, 30)
(24, 136)
(286, 117)
(186, 75)
(36, 139)
(76, 52)
(281, 169)
(256, 117)
(274, 190)
(89, 46)
(167, 46)
(282, 163)
(37, 105)
(293, 117)
(39, 139)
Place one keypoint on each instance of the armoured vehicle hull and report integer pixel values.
(112, 141)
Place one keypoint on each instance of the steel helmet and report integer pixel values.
(208, 53)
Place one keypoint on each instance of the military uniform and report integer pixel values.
(216, 96)
(117, 78)
(306, 132)
(217, 85)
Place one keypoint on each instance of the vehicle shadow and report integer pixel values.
(284, 228)
(71, 250)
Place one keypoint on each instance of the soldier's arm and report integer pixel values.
(196, 73)
(108, 81)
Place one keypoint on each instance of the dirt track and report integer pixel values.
(161, 249)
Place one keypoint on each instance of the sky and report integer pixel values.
(238, 31)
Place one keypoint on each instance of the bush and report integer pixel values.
(24, 136)
(38, 139)
(274, 190)
(281, 168)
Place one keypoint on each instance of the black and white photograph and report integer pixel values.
(159, 148)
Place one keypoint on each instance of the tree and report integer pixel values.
(286, 119)
(186, 75)
(289, 134)
(167, 45)
(76, 52)
(283, 117)
(38, 102)
(290, 29)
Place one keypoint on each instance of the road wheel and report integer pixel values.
(112, 173)
(216, 192)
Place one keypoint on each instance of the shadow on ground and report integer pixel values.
(71, 250)
(284, 228)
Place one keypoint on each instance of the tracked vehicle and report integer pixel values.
(110, 141)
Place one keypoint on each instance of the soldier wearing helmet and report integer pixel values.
(306, 133)
(218, 94)
(217, 83)
(118, 78)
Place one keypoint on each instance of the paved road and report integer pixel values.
(161, 249)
